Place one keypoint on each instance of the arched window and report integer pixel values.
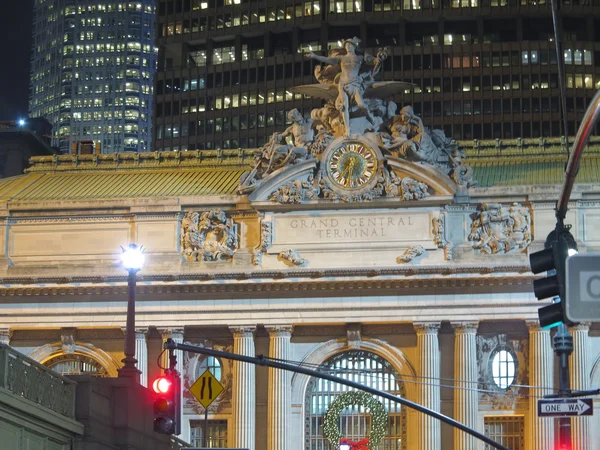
(367, 369)
(209, 363)
(74, 364)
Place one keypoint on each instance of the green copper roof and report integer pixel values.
(519, 162)
(528, 162)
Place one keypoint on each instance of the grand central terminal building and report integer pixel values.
(367, 246)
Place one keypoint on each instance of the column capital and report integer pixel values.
(243, 331)
(141, 332)
(426, 327)
(5, 335)
(279, 330)
(172, 333)
(533, 325)
(583, 326)
(465, 327)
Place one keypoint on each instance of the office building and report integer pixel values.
(483, 69)
(92, 70)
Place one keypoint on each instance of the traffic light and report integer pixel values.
(167, 411)
(553, 259)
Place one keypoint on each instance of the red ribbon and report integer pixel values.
(360, 445)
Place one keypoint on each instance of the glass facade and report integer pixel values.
(92, 72)
(484, 69)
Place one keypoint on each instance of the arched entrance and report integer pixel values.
(368, 369)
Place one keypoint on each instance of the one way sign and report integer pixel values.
(566, 407)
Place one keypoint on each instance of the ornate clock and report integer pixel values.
(351, 165)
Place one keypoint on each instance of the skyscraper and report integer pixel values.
(483, 69)
(92, 70)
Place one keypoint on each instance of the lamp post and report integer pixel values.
(133, 260)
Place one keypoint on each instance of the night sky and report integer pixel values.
(15, 48)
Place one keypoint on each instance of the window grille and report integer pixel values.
(503, 369)
(367, 369)
(211, 363)
(216, 434)
(506, 430)
(76, 365)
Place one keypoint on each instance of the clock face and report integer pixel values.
(352, 165)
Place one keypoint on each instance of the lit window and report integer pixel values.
(503, 369)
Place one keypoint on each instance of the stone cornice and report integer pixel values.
(282, 288)
(289, 280)
(444, 270)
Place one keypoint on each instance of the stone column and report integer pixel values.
(141, 354)
(541, 374)
(5, 335)
(430, 437)
(279, 405)
(466, 402)
(243, 391)
(580, 380)
(177, 335)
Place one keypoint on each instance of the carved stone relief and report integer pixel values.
(67, 339)
(439, 236)
(490, 392)
(316, 186)
(354, 335)
(266, 238)
(292, 258)
(208, 236)
(410, 254)
(190, 368)
(497, 229)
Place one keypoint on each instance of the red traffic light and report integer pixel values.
(162, 385)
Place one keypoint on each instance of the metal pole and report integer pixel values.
(129, 368)
(583, 134)
(261, 361)
(563, 347)
(205, 434)
(560, 61)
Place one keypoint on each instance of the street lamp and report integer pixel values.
(133, 260)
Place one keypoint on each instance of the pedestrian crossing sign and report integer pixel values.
(206, 388)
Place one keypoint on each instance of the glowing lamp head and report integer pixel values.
(344, 447)
(161, 385)
(21, 122)
(132, 257)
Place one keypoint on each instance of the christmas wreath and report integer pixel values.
(372, 405)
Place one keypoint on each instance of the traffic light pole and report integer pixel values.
(583, 134)
(262, 361)
(563, 347)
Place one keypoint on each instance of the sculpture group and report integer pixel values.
(356, 106)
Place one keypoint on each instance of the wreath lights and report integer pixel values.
(372, 405)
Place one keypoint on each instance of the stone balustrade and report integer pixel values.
(31, 380)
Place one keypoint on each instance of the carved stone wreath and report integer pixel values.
(332, 417)
(208, 236)
(499, 229)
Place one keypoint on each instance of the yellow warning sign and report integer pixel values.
(206, 388)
